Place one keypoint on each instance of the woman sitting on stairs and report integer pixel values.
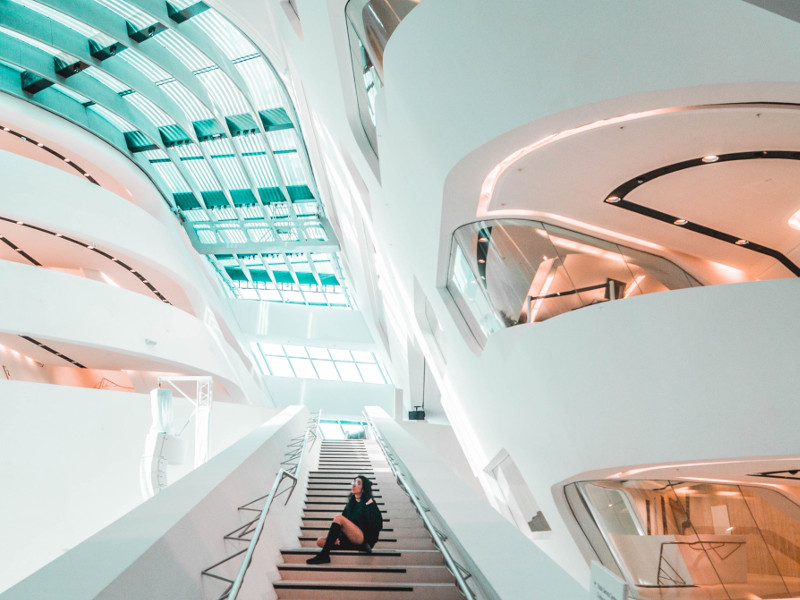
(358, 526)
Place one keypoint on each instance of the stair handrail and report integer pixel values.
(439, 538)
(311, 431)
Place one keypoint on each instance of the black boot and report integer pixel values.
(324, 555)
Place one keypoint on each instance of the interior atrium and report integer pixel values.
(535, 264)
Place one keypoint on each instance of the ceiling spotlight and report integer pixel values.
(40, 144)
(481, 260)
(66, 160)
(20, 223)
(742, 242)
(680, 221)
(5, 129)
(613, 199)
(711, 158)
(483, 239)
(59, 235)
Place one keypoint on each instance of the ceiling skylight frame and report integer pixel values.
(145, 87)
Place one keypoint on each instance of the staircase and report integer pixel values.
(404, 563)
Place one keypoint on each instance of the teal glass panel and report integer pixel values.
(185, 201)
(299, 192)
(243, 197)
(214, 199)
(271, 195)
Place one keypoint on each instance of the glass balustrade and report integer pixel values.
(370, 24)
(510, 272)
(687, 540)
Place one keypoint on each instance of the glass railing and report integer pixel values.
(683, 539)
(511, 272)
(370, 24)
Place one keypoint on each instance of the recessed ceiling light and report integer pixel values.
(59, 235)
(613, 199)
(20, 223)
(711, 158)
(40, 144)
(66, 160)
(483, 239)
(481, 260)
(680, 221)
(742, 242)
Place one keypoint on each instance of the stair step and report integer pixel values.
(319, 521)
(320, 529)
(386, 542)
(369, 591)
(380, 573)
(378, 557)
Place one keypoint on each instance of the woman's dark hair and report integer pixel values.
(366, 488)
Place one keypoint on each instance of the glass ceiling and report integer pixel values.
(183, 93)
(309, 362)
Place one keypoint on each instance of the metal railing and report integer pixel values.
(458, 571)
(290, 466)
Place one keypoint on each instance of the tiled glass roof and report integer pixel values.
(199, 108)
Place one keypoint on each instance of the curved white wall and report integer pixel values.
(691, 374)
(111, 327)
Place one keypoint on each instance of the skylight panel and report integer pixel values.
(184, 51)
(107, 80)
(291, 168)
(112, 118)
(33, 42)
(251, 212)
(315, 232)
(144, 65)
(257, 163)
(129, 12)
(202, 175)
(206, 236)
(224, 94)
(283, 140)
(55, 15)
(258, 235)
(229, 39)
(71, 93)
(265, 90)
(233, 236)
(172, 177)
(191, 106)
(157, 116)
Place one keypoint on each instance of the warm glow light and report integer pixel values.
(613, 199)
(543, 292)
(633, 285)
(794, 221)
(711, 158)
(727, 493)
(742, 242)
(585, 249)
(684, 491)
(483, 239)
(680, 221)
(490, 182)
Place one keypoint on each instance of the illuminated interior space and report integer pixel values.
(541, 257)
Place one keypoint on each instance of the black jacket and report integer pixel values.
(367, 517)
